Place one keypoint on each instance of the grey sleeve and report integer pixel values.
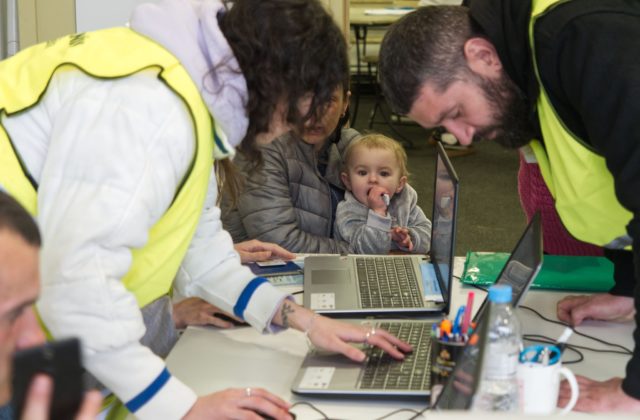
(364, 230)
(419, 230)
(268, 214)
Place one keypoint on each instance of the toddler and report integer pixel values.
(380, 211)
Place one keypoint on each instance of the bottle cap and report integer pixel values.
(500, 293)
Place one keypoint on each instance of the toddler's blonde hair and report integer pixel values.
(378, 141)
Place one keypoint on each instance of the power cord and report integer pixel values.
(386, 416)
(537, 338)
(623, 349)
(313, 407)
(574, 347)
(419, 414)
(402, 410)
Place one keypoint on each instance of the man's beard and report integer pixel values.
(512, 128)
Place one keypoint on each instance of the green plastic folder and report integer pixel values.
(559, 272)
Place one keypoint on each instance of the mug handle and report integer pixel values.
(573, 383)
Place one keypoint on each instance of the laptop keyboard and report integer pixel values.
(413, 373)
(388, 283)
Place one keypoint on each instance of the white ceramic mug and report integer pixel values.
(540, 385)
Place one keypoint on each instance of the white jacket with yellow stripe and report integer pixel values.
(89, 224)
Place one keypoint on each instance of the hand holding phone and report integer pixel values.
(61, 361)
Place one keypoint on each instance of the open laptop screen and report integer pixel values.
(443, 221)
(524, 263)
(519, 272)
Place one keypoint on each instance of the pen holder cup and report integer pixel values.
(443, 361)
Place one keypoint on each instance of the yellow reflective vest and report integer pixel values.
(111, 54)
(578, 179)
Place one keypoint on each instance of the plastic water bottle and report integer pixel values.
(499, 384)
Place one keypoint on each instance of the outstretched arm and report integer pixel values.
(602, 306)
(334, 335)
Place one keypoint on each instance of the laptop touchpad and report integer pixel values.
(330, 276)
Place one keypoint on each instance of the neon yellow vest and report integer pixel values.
(115, 53)
(577, 178)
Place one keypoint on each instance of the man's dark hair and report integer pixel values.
(15, 218)
(286, 49)
(425, 45)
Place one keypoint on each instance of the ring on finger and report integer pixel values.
(369, 334)
(247, 391)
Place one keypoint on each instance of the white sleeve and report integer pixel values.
(117, 151)
(212, 270)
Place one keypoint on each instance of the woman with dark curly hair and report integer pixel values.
(108, 138)
(288, 190)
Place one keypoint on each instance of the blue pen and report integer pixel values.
(458, 318)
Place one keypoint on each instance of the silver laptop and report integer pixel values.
(392, 284)
(325, 373)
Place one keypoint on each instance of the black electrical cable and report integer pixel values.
(313, 407)
(606, 343)
(553, 321)
(419, 414)
(536, 338)
(401, 410)
(394, 412)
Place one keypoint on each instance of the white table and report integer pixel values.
(209, 359)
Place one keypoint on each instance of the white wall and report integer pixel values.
(99, 14)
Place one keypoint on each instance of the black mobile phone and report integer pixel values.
(58, 359)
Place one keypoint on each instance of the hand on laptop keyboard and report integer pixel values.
(331, 334)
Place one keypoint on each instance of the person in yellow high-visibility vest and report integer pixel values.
(109, 137)
(561, 71)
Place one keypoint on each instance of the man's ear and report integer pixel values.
(345, 180)
(403, 182)
(482, 57)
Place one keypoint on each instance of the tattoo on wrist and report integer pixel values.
(284, 313)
